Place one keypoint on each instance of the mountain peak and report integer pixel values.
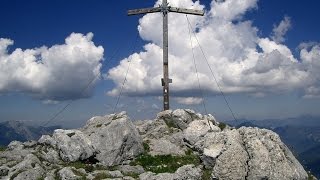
(177, 144)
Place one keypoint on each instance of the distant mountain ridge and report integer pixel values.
(301, 134)
(17, 130)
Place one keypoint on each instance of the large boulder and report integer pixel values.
(181, 118)
(269, 156)
(114, 138)
(245, 153)
(110, 139)
(73, 145)
(189, 172)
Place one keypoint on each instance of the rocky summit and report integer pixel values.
(179, 144)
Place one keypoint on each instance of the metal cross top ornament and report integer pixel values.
(165, 9)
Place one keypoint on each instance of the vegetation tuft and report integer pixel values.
(222, 125)
(146, 146)
(2, 148)
(165, 163)
(101, 176)
(206, 174)
(170, 123)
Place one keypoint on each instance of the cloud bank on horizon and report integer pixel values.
(52, 73)
(243, 62)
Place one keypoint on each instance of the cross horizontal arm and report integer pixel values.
(186, 11)
(143, 11)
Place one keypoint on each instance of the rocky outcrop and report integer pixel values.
(185, 172)
(114, 147)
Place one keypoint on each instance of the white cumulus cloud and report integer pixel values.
(54, 73)
(242, 61)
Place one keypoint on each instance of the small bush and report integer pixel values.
(99, 125)
(146, 146)
(206, 174)
(2, 148)
(222, 125)
(77, 164)
(170, 123)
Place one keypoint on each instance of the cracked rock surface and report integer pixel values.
(107, 146)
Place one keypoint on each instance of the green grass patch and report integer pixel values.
(206, 174)
(101, 176)
(170, 123)
(146, 146)
(133, 175)
(165, 163)
(2, 148)
(77, 164)
(222, 125)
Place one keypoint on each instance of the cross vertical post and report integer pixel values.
(165, 80)
(165, 9)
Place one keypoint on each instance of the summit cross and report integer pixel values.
(165, 9)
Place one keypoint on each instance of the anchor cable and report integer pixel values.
(214, 77)
(196, 69)
(126, 74)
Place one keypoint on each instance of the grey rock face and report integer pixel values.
(73, 145)
(164, 147)
(114, 138)
(67, 174)
(244, 153)
(269, 157)
(35, 173)
(127, 169)
(185, 172)
(152, 129)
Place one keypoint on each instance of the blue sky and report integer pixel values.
(33, 24)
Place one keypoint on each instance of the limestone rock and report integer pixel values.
(164, 147)
(35, 173)
(269, 157)
(189, 172)
(244, 153)
(196, 130)
(4, 170)
(73, 145)
(67, 173)
(152, 129)
(127, 169)
(114, 138)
